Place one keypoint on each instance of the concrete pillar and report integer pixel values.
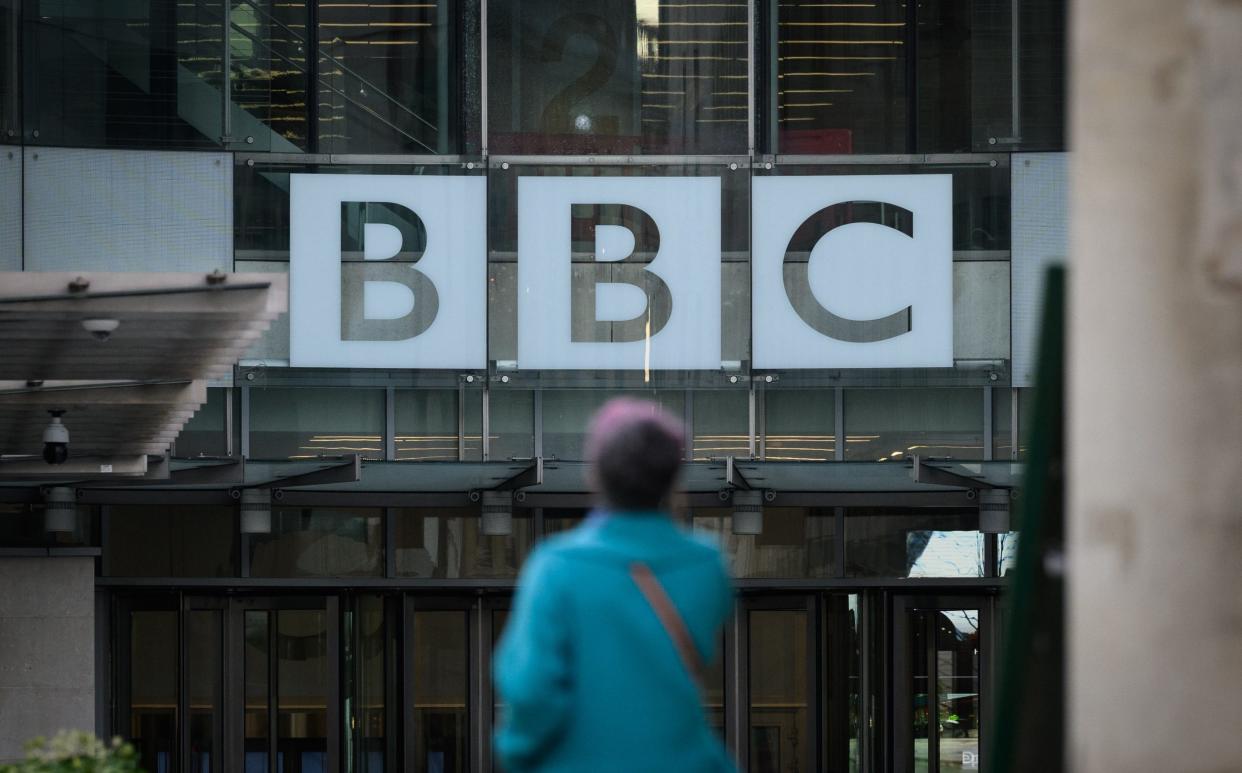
(1155, 392)
(47, 649)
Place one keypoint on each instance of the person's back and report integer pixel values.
(592, 678)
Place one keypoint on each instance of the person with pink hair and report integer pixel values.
(600, 665)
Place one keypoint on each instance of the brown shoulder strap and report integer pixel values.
(669, 617)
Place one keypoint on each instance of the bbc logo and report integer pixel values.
(848, 271)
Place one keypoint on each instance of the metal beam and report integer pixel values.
(922, 472)
(733, 475)
(348, 470)
(75, 468)
(531, 476)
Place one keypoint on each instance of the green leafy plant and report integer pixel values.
(75, 751)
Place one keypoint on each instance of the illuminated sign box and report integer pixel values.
(849, 271)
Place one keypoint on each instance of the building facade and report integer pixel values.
(815, 230)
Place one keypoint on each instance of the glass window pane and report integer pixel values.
(204, 676)
(1026, 420)
(255, 667)
(559, 519)
(440, 690)
(10, 105)
(153, 688)
(840, 82)
(567, 412)
(365, 643)
(913, 543)
(1002, 424)
(163, 541)
(204, 434)
(473, 436)
(795, 542)
(449, 543)
(512, 424)
(778, 692)
(721, 424)
(893, 424)
(426, 423)
(302, 689)
(388, 78)
(25, 526)
(618, 77)
(126, 74)
(319, 543)
(957, 687)
(800, 424)
(304, 423)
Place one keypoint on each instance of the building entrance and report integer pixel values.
(942, 657)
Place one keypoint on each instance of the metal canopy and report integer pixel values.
(170, 326)
(125, 356)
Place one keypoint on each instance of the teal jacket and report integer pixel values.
(589, 678)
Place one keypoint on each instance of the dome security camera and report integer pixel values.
(100, 329)
(56, 440)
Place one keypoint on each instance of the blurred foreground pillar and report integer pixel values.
(1155, 387)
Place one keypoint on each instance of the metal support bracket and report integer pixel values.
(349, 470)
(733, 475)
(531, 476)
(923, 472)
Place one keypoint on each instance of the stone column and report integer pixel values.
(1155, 387)
(47, 649)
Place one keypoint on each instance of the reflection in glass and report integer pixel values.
(921, 692)
(449, 543)
(799, 424)
(306, 423)
(301, 690)
(602, 76)
(895, 542)
(204, 675)
(364, 642)
(567, 412)
(153, 688)
(125, 74)
(256, 677)
(957, 688)
(840, 79)
(721, 424)
(170, 541)
(439, 660)
(893, 424)
(511, 428)
(795, 542)
(204, 434)
(714, 690)
(559, 519)
(426, 424)
(386, 78)
(319, 543)
(1002, 424)
(778, 692)
(10, 104)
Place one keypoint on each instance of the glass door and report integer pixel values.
(288, 685)
(942, 658)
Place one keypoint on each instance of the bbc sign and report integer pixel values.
(847, 271)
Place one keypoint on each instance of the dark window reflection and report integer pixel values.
(319, 543)
(204, 679)
(618, 77)
(204, 434)
(440, 688)
(894, 424)
(10, 106)
(170, 541)
(894, 542)
(257, 717)
(302, 688)
(795, 541)
(779, 685)
(449, 543)
(153, 688)
(26, 526)
(305, 423)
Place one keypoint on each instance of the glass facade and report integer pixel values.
(355, 634)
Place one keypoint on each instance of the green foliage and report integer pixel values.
(74, 751)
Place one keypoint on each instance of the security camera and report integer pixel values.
(100, 329)
(56, 440)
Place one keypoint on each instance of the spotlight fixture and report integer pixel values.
(60, 512)
(497, 513)
(748, 512)
(256, 511)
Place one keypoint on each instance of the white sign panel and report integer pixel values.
(852, 271)
(377, 296)
(644, 294)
